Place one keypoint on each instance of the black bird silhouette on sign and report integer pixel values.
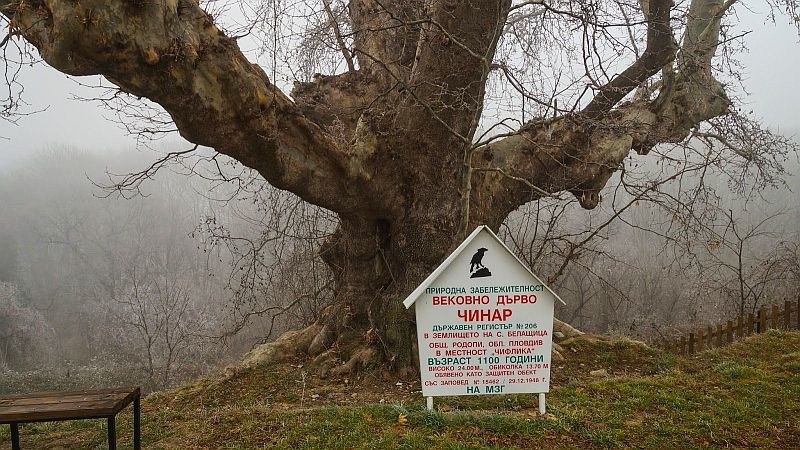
(477, 259)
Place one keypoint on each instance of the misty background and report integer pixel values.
(99, 287)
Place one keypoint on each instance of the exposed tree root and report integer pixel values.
(361, 359)
(566, 329)
(569, 334)
(287, 346)
(330, 353)
(330, 347)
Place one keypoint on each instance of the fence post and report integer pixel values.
(730, 332)
(751, 322)
(711, 336)
(682, 346)
(700, 340)
(762, 320)
(759, 327)
(720, 343)
(787, 315)
(691, 343)
(740, 327)
(798, 314)
(774, 318)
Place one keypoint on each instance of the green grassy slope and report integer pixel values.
(744, 395)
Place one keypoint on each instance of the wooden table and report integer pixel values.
(57, 406)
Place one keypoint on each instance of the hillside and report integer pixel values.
(744, 395)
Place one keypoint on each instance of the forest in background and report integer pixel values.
(178, 276)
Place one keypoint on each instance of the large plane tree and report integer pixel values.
(398, 143)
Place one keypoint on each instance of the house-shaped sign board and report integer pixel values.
(484, 323)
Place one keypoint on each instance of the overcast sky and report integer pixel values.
(771, 69)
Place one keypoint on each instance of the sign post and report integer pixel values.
(484, 323)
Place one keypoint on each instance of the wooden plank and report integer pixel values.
(101, 407)
(53, 412)
(739, 327)
(692, 343)
(787, 315)
(110, 398)
(66, 403)
(28, 408)
(720, 335)
(682, 346)
(762, 320)
(751, 321)
(70, 393)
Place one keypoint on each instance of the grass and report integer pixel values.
(744, 395)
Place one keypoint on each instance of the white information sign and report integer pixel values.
(484, 323)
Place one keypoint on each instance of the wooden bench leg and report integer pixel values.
(14, 436)
(112, 434)
(137, 428)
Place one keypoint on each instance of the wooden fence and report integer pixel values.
(767, 317)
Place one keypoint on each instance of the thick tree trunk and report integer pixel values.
(375, 266)
(376, 263)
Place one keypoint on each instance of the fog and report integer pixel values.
(137, 290)
(185, 276)
(165, 286)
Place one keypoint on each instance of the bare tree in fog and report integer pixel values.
(114, 279)
(744, 260)
(25, 336)
(272, 240)
(160, 323)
